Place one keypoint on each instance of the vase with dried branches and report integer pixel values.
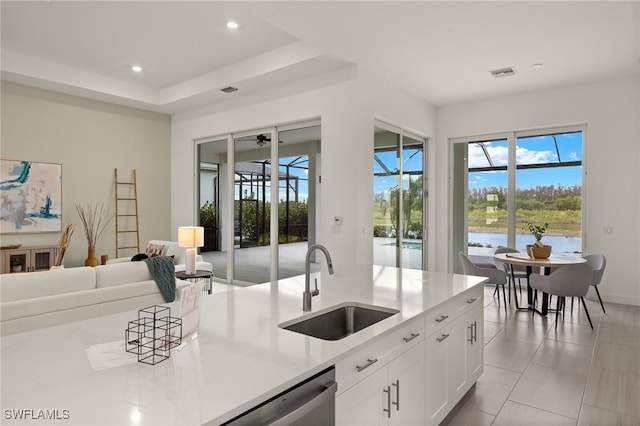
(62, 246)
(94, 222)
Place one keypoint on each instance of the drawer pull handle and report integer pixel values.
(441, 338)
(369, 363)
(470, 301)
(442, 318)
(411, 337)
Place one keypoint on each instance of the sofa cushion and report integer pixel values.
(49, 319)
(121, 273)
(47, 304)
(21, 286)
(142, 288)
(136, 289)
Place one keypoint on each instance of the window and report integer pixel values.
(504, 181)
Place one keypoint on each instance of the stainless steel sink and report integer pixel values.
(339, 321)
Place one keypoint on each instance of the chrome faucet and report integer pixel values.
(308, 294)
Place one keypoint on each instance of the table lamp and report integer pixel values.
(190, 237)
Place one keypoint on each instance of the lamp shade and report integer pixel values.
(191, 236)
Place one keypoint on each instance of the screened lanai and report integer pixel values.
(252, 187)
(239, 203)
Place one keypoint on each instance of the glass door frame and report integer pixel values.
(512, 138)
(272, 133)
(405, 133)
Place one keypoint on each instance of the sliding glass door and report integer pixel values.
(213, 183)
(549, 188)
(298, 166)
(487, 194)
(236, 203)
(252, 207)
(398, 198)
(503, 182)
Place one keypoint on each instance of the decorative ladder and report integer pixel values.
(126, 212)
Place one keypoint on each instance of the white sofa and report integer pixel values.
(170, 248)
(41, 299)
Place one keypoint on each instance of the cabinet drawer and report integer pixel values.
(450, 310)
(365, 361)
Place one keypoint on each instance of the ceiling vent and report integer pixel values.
(503, 72)
(229, 89)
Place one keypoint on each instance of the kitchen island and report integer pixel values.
(239, 357)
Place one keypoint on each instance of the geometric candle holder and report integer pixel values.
(153, 334)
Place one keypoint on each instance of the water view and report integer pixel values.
(560, 243)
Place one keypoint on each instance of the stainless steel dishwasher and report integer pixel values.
(311, 402)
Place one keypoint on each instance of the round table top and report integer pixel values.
(199, 274)
(554, 261)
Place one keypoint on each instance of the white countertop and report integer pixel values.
(238, 357)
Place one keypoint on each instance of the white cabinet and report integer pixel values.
(405, 379)
(393, 395)
(360, 404)
(454, 359)
(436, 392)
(475, 343)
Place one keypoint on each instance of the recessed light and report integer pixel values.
(232, 25)
(538, 65)
(136, 68)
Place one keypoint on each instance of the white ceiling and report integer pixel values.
(439, 51)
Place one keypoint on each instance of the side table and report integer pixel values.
(200, 274)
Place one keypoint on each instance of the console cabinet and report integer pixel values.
(28, 259)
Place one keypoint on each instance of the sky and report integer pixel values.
(412, 162)
(530, 150)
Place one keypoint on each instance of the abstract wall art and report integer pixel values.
(31, 195)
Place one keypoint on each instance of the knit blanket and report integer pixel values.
(163, 272)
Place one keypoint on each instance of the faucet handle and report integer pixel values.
(315, 292)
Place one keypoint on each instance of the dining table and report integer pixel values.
(546, 265)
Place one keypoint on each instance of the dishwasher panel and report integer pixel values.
(311, 402)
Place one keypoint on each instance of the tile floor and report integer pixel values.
(536, 374)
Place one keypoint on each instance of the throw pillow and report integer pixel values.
(154, 250)
(139, 256)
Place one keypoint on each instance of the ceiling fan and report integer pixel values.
(260, 140)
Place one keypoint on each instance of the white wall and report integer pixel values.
(90, 139)
(347, 107)
(611, 111)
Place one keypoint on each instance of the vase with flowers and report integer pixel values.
(94, 222)
(537, 250)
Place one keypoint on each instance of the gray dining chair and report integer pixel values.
(568, 281)
(597, 262)
(514, 272)
(496, 276)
